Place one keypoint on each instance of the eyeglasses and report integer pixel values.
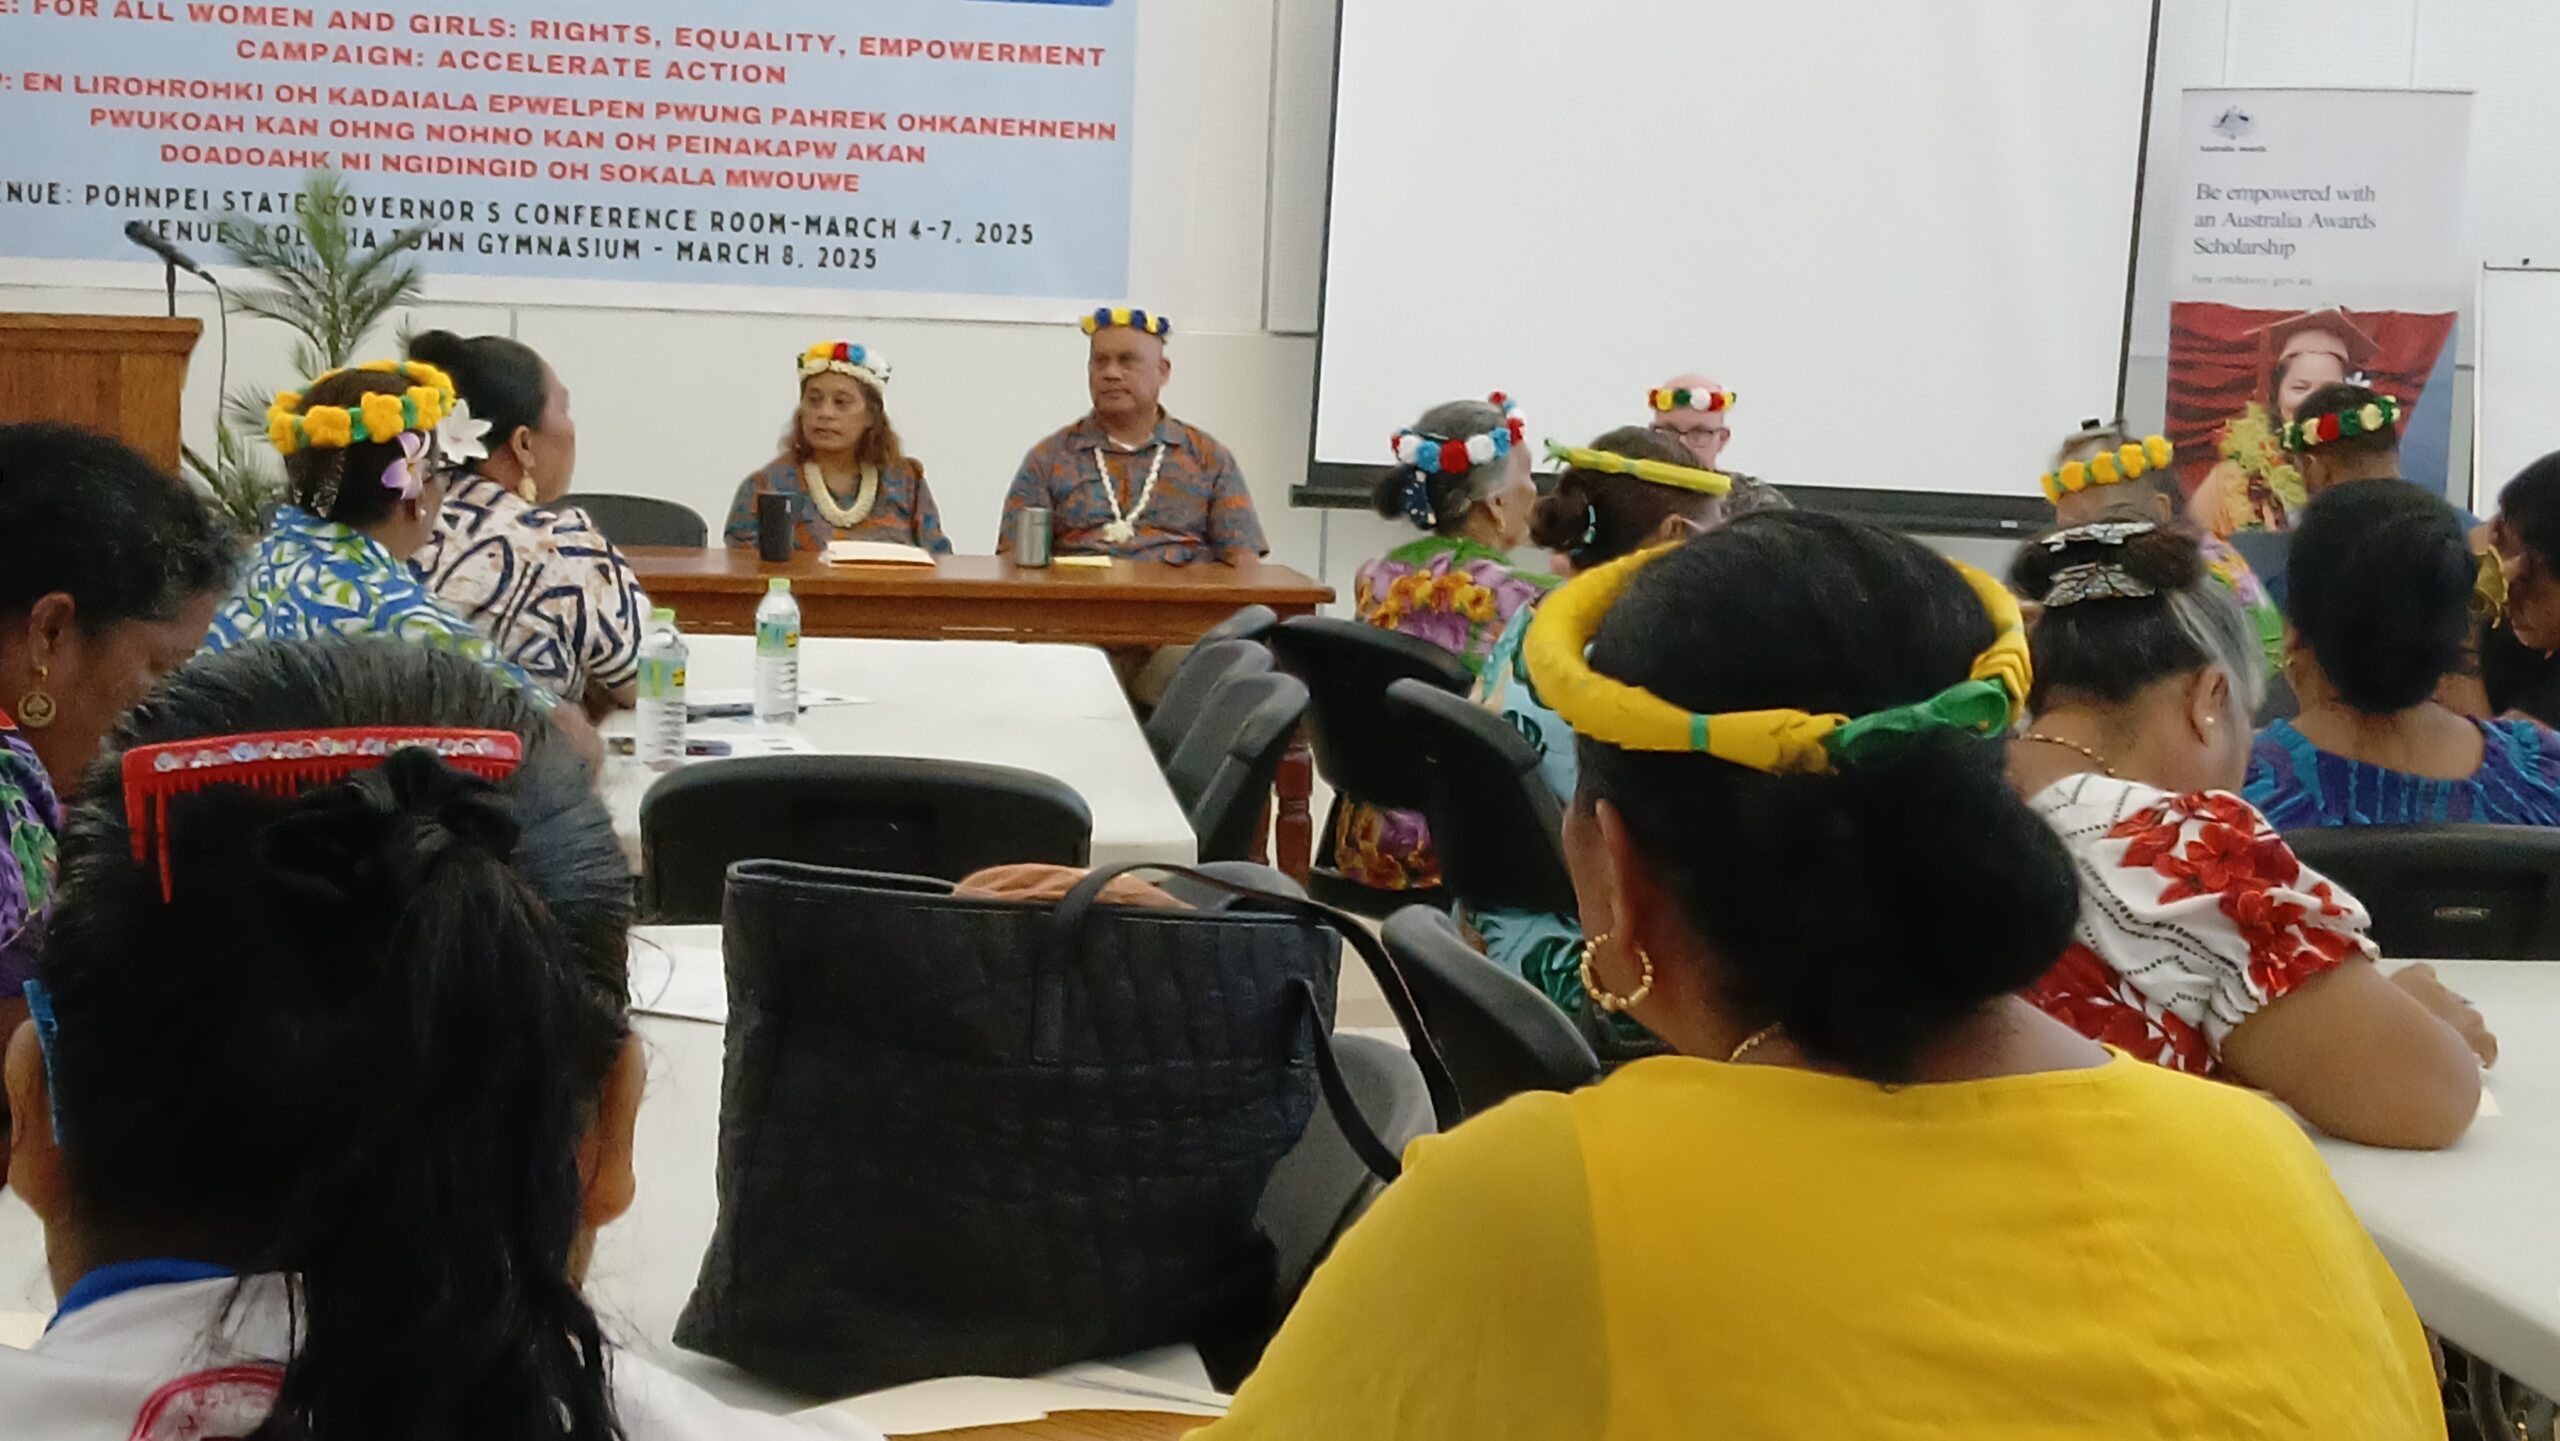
(1718, 432)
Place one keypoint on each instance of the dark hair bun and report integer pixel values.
(2163, 558)
(2378, 584)
(1564, 517)
(1448, 497)
(440, 348)
(1961, 895)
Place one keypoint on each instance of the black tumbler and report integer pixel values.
(773, 527)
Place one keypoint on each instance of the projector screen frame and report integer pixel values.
(1330, 486)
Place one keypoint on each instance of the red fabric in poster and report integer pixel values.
(2217, 365)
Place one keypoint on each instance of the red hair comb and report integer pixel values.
(286, 763)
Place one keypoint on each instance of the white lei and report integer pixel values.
(814, 481)
(1124, 525)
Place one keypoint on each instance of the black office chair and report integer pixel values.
(944, 819)
(2447, 892)
(1499, 1034)
(1322, 1186)
(1360, 750)
(643, 520)
(1494, 820)
(1254, 622)
(1224, 771)
(1187, 695)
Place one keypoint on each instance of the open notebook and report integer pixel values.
(876, 552)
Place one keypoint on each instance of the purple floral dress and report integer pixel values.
(1458, 595)
(33, 818)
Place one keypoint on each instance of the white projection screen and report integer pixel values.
(1901, 230)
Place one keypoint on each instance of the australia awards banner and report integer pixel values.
(2318, 239)
(659, 152)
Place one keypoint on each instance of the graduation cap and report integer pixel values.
(2317, 332)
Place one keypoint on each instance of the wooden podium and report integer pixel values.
(119, 375)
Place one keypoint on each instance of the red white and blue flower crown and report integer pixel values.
(843, 358)
(1456, 455)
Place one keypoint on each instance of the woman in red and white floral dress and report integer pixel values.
(2204, 944)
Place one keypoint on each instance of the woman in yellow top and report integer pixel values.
(1872, 1192)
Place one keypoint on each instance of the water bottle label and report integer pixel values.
(774, 636)
(661, 679)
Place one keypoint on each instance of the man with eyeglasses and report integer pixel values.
(1694, 411)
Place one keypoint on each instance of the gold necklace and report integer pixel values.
(2105, 767)
(1755, 1041)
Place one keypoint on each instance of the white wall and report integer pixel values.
(1226, 242)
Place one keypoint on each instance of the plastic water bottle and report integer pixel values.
(778, 655)
(661, 717)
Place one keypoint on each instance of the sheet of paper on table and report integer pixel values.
(956, 1403)
(876, 552)
(681, 976)
(1081, 562)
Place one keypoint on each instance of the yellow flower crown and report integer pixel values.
(1112, 317)
(1777, 741)
(1681, 477)
(377, 417)
(2110, 467)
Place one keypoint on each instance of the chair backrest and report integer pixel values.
(1193, 683)
(643, 520)
(1500, 1035)
(944, 819)
(1224, 772)
(1251, 623)
(2447, 892)
(1321, 1187)
(1496, 824)
(1348, 666)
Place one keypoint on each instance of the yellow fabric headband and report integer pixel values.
(1679, 477)
(1777, 741)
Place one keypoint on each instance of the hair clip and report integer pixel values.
(285, 763)
(2095, 580)
(2105, 532)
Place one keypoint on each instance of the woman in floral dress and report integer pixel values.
(1462, 476)
(2204, 944)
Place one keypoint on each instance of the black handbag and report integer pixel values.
(963, 1136)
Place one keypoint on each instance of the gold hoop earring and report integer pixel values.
(36, 709)
(1600, 995)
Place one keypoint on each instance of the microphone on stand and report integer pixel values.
(140, 234)
(175, 260)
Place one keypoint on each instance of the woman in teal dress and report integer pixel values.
(1594, 516)
(1462, 476)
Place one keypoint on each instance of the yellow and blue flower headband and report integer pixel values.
(2110, 467)
(1124, 317)
(1781, 742)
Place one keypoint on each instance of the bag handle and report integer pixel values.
(1049, 1008)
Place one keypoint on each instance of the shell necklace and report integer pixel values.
(814, 481)
(1124, 524)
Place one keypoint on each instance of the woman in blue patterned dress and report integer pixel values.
(841, 466)
(2378, 594)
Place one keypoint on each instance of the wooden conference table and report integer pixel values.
(1130, 605)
